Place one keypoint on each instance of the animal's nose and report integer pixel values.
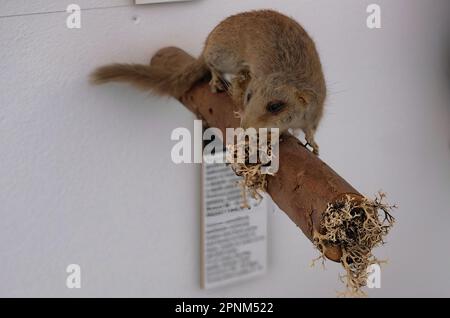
(245, 123)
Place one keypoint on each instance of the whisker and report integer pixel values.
(337, 92)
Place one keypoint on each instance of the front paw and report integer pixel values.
(216, 85)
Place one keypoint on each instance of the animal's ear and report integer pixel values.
(305, 97)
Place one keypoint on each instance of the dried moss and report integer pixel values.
(253, 182)
(357, 225)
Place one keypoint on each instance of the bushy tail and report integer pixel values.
(156, 78)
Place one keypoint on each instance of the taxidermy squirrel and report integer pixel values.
(264, 59)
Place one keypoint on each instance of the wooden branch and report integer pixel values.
(303, 186)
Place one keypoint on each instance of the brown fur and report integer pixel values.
(269, 52)
(155, 78)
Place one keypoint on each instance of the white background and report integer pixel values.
(86, 175)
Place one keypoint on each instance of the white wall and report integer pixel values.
(86, 175)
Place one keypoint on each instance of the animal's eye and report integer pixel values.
(248, 97)
(275, 107)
